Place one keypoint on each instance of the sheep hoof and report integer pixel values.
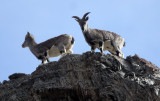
(101, 51)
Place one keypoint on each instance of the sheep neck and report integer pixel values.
(85, 27)
(32, 45)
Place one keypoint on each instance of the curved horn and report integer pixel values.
(76, 17)
(85, 15)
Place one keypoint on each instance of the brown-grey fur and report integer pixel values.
(101, 39)
(50, 48)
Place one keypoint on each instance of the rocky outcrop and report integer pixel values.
(86, 77)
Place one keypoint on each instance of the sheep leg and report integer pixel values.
(92, 49)
(48, 60)
(121, 44)
(115, 44)
(62, 50)
(70, 51)
(46, 56)
(118, 53)
(41, 58)
(101, 46)
(43, 61)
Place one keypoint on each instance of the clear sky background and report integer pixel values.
(137, 21)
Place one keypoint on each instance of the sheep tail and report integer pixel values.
(72, 41)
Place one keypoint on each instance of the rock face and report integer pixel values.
(86, 77)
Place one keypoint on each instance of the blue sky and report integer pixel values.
(137, 21)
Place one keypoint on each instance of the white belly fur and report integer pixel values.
(107, 45)
(54, 52)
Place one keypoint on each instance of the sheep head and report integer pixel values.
(82, 22)
(28, 39)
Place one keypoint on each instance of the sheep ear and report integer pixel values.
(76, 19)
(86, 18)
(28, 33)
